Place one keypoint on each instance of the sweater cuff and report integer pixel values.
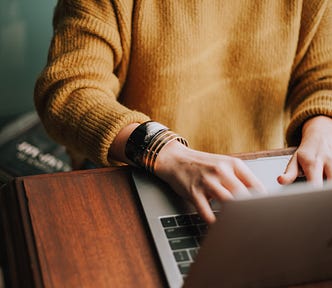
(101, 127)
(319, 103)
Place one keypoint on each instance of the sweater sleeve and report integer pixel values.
(76, 93)
(310, 90)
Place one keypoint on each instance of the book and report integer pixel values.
(27, 149)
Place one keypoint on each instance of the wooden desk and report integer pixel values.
(80, 229)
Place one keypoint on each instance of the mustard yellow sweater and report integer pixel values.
(228, 75)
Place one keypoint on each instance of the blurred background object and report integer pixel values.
(25, 33)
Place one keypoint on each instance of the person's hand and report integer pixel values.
(196, 176)
(199, 176)
(313, 158)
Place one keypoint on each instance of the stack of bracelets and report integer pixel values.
(146, 141)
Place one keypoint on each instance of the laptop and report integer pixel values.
(275, 240)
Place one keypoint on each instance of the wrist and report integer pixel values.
(319, 124)
(117, 149)
(147, 141)
(171, 157)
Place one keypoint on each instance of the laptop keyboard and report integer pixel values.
(185, 234)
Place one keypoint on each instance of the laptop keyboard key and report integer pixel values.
(197, 219)
(193, 253)
(168, 221)
(183, 231)
(184, 268)
(183, 243)
(185, 234)
(181, 256)
(183, 220)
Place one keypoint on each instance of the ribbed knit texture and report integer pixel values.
(230, 75)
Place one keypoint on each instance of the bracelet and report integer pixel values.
(146, 141)
(160, 141)
(139, 140)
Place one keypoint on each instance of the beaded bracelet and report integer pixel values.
(146, 141)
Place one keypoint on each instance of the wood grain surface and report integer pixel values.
(89, 231)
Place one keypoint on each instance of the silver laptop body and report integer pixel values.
(158, 201)
(273, 241)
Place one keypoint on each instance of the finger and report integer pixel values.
(235, 186)
(291, 171)
(225, 185)
(249, 179)
(314, 173)
(214, 189)
(203, 208)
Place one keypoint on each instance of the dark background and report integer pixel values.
(25, 34)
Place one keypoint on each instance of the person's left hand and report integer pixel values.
(313, 158)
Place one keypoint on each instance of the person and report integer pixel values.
(225, 76)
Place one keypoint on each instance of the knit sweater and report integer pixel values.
(229, 76)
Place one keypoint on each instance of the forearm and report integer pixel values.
(310, 88)
(117, 149)
(76, 94)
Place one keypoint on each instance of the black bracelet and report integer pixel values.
(140, 139)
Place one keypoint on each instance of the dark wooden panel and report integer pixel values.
(89, 231)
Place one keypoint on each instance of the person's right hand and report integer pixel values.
(196, 176)
(200, 176)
